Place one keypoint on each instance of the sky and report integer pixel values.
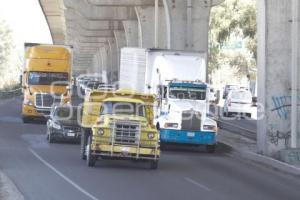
(26, 20)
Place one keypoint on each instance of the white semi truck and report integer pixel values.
(178, 79)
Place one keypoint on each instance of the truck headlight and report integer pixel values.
(209, 127)
(171, 125)
(28, 102)
(56, 126)
(100, 131)
(151, 136)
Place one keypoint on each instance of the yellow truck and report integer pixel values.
(46, 79)
(119, 125)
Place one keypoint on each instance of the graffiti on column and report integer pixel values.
(282, 105)
(275, 136)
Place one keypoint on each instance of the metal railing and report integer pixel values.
(10, 93)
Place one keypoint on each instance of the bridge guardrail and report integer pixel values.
(10, 93)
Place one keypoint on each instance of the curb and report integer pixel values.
(267, 161)
(8, 190)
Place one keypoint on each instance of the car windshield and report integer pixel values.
(232, 87)
(187, 93)
(47, 78)
(69, 113)
(241, 95)
(126, 108)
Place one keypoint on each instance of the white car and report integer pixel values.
(238, 102)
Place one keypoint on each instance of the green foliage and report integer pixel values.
(233, 20)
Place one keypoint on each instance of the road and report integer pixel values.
(43, 171)
(235, 124)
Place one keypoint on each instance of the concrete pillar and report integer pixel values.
(131, 32)
(178, 20)
(146, 16)
(189, 24)
(120, 43)
(104, 64)
(114, 59)
(274, 75)
(200, 27)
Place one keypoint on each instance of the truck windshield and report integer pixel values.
(47, 78)
(125, 108)
(69, 113)
(187, 93)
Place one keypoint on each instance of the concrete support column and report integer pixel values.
(200, 27)
(104, 64)
(131, 33)
(274, 69)
(146, 22)
(178, 20)
(114, 59)
(120, 43)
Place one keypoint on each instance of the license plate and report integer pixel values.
(70, 134)
(125, 149)
(191, 134)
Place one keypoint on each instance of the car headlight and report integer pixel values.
(151, 136)
(56, 126)
(171, 125)
(100, 131)
(28, 102)
(209, 127)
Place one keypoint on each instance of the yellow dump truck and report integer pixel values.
(46, 79)
(119, 125)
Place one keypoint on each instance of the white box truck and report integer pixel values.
(178, 79)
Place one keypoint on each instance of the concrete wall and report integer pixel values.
(274, 75)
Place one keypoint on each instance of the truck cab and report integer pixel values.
(119, 125)
(182, 114)
(46, 80)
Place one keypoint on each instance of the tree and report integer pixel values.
(232, 20)
(6, 45)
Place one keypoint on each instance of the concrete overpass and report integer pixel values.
(97, 29)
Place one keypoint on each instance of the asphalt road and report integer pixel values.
(43, 171)
(236, 124)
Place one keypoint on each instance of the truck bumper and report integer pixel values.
(125, 152)
(30, 111)
(187, 137)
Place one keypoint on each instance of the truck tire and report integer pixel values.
(50, 137)
(26, 120)
(90, 159)
(211, 148)
(153, 164)
(83, 142)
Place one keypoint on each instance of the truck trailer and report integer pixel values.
(178, 79)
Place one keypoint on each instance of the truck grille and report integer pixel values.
(191, 120)
(45, 100)
(126, 132)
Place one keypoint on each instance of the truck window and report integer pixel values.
(187, 93)
(47, 78)
(123, 108)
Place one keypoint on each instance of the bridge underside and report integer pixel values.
(98, 29)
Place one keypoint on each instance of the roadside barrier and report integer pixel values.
(10, 93)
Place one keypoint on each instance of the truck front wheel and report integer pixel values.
(153, 164)
(90, 159)
(83, 143)
(211, 148)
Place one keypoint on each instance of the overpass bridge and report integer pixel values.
(97, 30)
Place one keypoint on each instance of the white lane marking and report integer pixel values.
(197, 184)
(63, 176)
